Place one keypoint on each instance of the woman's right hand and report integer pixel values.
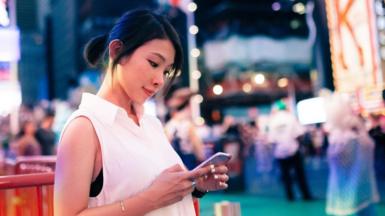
(172, 185)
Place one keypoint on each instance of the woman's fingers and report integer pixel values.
(218, 169)
(221, 178)
(197, 173)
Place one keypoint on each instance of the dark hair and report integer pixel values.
(134, 29)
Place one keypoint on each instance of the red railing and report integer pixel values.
(27, 194)
(29, 191)
(27, 188)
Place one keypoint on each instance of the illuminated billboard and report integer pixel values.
(354, 49)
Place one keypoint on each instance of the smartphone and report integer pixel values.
(217, 158)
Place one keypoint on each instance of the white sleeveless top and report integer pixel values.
(133, 156)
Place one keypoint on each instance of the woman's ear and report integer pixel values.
(114, 48)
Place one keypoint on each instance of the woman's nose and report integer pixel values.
(158, 80)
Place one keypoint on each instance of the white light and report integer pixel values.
(259, 79)
(10, 44)
(10, 97)
(218, 89)
(198, 98)
(294, 24)
(299, 8)
(192, 7)
(283, 82)
(199, 121)
(193, 29)
(311, 111)
(196, 74)
(195, 52)
(247, 87)
(276, 6)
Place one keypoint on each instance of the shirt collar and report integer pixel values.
(106, 110)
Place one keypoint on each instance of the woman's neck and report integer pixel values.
(113, 93)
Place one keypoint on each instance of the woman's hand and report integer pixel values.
(172, 185)
(216, 179)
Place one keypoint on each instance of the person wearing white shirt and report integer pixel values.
(112, 158)
(284, 131)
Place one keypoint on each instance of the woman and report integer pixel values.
(26, 143)
(113, 159)
(352, 188)
(181, 131)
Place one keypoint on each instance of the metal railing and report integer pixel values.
(28, 191)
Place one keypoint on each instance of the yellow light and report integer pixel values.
(259, 79)
(299, 8)
(247, 87)
(218, 89)
(199, 121)
(283, 82)
(192, 7)
(193, 29)
(195, 52)
(196, 74)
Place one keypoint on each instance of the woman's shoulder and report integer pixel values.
(79, 131)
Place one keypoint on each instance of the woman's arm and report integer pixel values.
(74, 170)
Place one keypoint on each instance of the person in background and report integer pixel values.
(112, 158)
(25, 143)
(352, 186)
(378, 135)
(45, 135)
(284, 132)
(181, 130)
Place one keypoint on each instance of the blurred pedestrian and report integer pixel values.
(25, 143)
(45, 135)
(181, 130)
(352, 186)
(284, 132)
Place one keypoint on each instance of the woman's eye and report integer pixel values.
(153, 64)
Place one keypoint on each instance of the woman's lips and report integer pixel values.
(148, 92)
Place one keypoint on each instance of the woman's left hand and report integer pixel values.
(216, 179)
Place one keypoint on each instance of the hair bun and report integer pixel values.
(94, 49)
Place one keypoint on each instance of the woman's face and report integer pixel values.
(142, 74)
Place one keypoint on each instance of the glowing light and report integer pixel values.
(195, 52)
(218, 89)
(198, 98)
(283, 82)
(299, 8)
(192, 7)
(276, 6)
(193, 29)
(200, 121)
(307, 108)
(259, 79)
(294, 24)
(10, 96)
(247, 87)
(196, 74)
